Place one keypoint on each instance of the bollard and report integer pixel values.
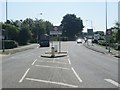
(52, 52)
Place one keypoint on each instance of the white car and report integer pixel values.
(79, 41)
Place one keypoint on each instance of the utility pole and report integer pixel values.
(4, 31)
(106, 23)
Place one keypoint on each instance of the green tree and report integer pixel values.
(24, 35)
(71, 26)
(11, 31)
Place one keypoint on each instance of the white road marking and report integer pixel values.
(53, 62)
(34, 62)
(58, 83)
(24, 75)
(80, 80)
(52, 67)
(112, 82)
(69, 61)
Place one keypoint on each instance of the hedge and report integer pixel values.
(9, 44)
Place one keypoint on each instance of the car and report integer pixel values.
(79, 41)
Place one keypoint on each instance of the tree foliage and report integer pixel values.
(72, 25)
(25, 31)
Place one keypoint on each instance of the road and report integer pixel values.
(81, 68)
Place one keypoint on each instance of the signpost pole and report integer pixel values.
(59, 45)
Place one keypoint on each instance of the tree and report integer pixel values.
(24, 35)
(11, 32)
(49, 27)
(71, 26)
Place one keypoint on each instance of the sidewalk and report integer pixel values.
(19, 49)
(100, 49)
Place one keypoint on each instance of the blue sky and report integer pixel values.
(54, 12)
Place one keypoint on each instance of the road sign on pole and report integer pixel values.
(56, 30)
(108, 32)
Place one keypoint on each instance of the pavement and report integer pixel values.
(100, 49)
(18, 49)
(81, 68)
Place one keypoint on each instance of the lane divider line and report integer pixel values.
(69, 61)
(52, 67)
(80, 80)
(34, 62)
(112, 82)
(24, 75)
(58, 83)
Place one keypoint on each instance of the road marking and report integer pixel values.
(58, 83)
(24, 75)
(52, 67)
(53, 62)
(80, 80)
(34, 62)
(112, 82)
(69, 61)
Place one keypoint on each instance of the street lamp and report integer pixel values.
(106, 22)
(37, 29)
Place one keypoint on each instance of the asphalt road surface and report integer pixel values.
(81, 68)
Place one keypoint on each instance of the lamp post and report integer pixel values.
(37, 29)
(106, 23)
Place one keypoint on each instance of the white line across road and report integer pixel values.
(53, 62)
(24, 75)
(112, 82)
(52, 67)
(69, 61)
(34, 62)
(80, 80)
(58, 83)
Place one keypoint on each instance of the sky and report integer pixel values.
(54, 11)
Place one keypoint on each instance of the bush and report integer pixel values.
(102, 42)
(9, 44)
(116, 46)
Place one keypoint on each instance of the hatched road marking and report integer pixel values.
(69, 61)
(24, 75)
(112, 82)
(80, 80)
(52, 67)
(53, 62)
(34, 62)
(59, 83)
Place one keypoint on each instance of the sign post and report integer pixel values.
(57, 31)
(108, 33)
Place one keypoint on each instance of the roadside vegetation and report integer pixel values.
(22, 32)
(114, 38)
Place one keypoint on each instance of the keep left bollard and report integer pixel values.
(52, 52)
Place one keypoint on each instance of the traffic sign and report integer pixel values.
(108, 32)
(57, 30)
